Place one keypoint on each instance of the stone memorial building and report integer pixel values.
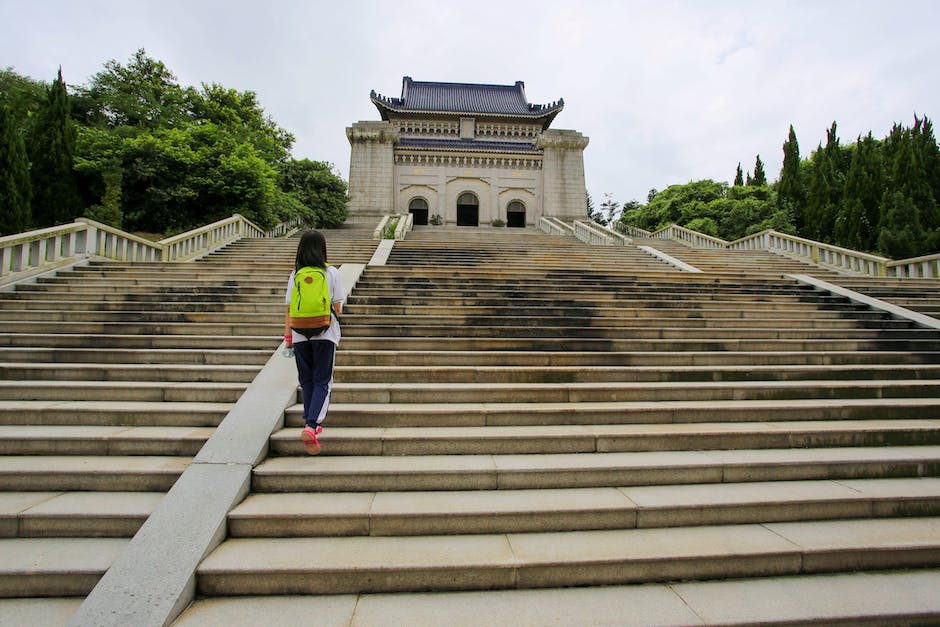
(469, 153)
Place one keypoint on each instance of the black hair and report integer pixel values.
(311, 251)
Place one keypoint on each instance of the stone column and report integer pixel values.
(371, 170)
(563, 190)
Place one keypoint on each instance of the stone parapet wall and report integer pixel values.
(371, 169)
(563, 188)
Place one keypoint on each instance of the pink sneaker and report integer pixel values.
(311, 443)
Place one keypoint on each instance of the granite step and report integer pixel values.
(37, 567)
(73, 413)
(533, 440)
(162, 372)
(114, 473)
(578, 558)
(576, 470)
(316, 514)
(74, 514)
(102, 440)
(612, 391)
(876, 598)
(509, 414)
(45, 390)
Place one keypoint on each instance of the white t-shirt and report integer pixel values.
(335, 284)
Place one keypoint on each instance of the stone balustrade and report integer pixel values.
(595, 234)
(689, 237)
(554, 226)
(27, 254)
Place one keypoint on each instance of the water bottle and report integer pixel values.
(288, 352)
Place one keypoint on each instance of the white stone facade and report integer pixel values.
(433, 160)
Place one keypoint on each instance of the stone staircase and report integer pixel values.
(506, 433)
(523, 428)
(112, 377)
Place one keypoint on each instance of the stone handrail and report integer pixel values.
(27, 254)
(593, 233)
(631, 231)
(405, 224)
(814, 252)
(191, 244)
(927, 267)
(554, 226)
(810, 251)
(285, 228)
(688, 236)
(379, 232)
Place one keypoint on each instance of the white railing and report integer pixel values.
(380, 230)
(285, 228)
(597, 235)
(35, 252)
(810, 251)
(631, 231)
(554, 226)
(405, 224)
(814, 252)
(927, 267)
(688, 237)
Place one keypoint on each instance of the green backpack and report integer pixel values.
(310, 304)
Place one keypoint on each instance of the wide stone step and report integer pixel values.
(519, 414)
(219, 357)
(888, 597)
(74, 514)
(592, 392)
(363, 373)
(578, 470)
(552, 439)
(619, 344)
(45, 327)
(112, 413)
(36, 390)
(414, 312)
(647, 331)
(71, 316)
(513, 511)
(42, 473)
(513, 359)
(38, 567)
(32, 304)
(102, 440)
(634, 324)
(127, 372)
(141, 341)
(578, 558)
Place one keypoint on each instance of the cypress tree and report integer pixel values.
(15, 190)
(857, 223)
(760, 178)
(739, 176)
(791, 195)
(51, 146)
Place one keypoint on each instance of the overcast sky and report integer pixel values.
(667, 91)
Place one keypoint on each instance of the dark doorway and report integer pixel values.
(468, 210)
(515, 214)
(418, 207)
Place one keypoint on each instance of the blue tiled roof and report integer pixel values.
(467, 144)
(496, 100)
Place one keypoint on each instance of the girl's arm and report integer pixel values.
(287, 333)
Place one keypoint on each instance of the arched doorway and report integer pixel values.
(515, 214)
(418, 207)
(468, 210)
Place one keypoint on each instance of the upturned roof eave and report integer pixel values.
(546, 115)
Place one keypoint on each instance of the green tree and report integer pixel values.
(242, 116)
(142, 94)
(901, 235)
(827, 182)
(15, 189)
(856, 224)
(51, 146)
(739, 176)
(609, 210)
(760, 178)
(23, 96)
(791, 195)
(320, 191)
